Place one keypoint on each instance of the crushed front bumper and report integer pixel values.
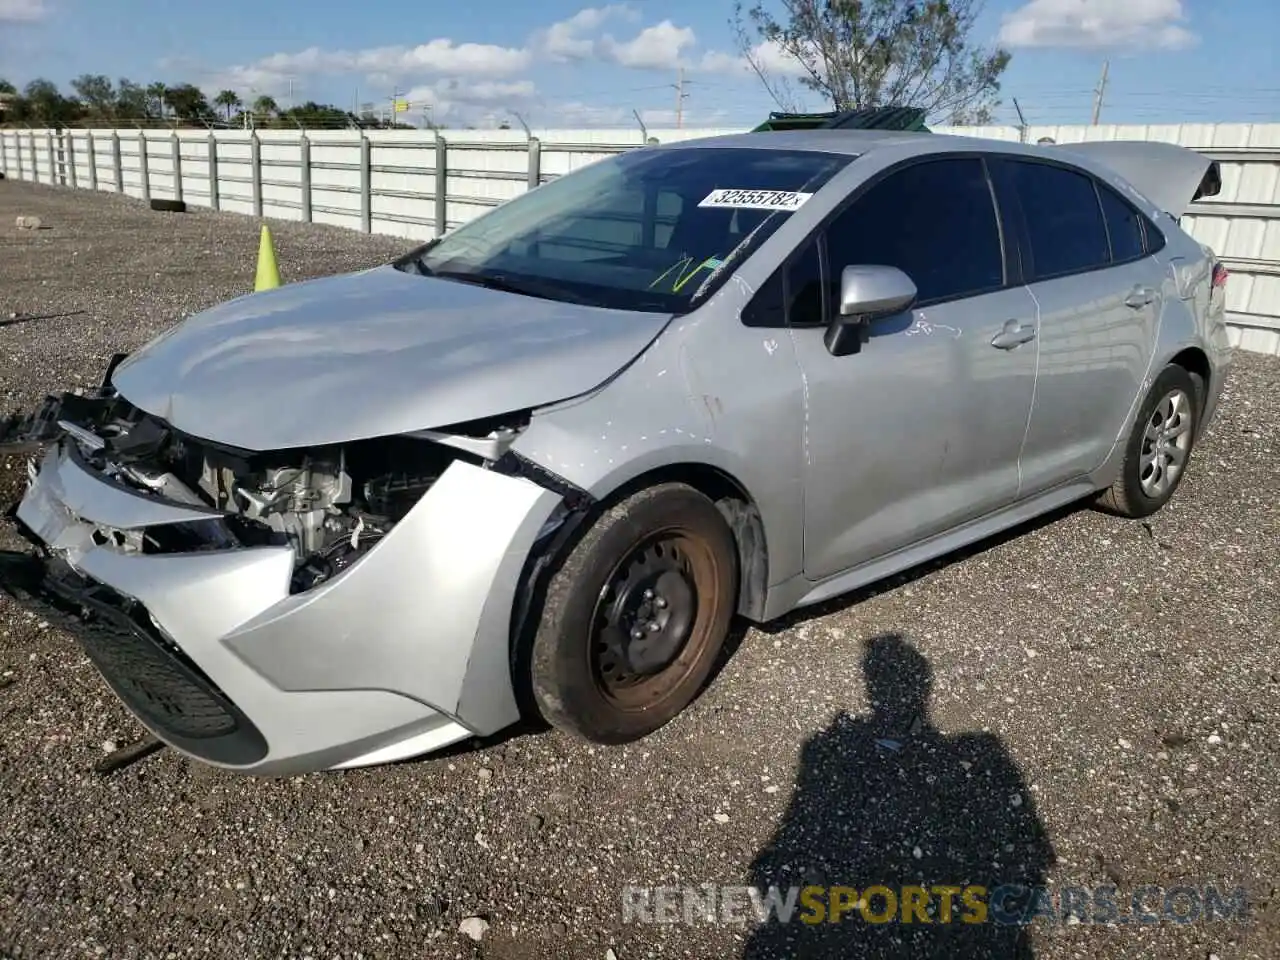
(404, 652)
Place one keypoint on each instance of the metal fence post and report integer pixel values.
(35, 162)
(69, 155)
(304, 176)
(366, 184)
(48, 149)
(215, 201)
(176, 148)
(442, 185)
(255, 167)
(535, 162)
(117, 163)
(145, 167)
(93, 163)
(17, 153)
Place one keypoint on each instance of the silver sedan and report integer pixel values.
(538, 466)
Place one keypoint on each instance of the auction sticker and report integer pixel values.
(756, 199)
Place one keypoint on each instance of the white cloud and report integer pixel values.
(464, 101)
(485, 93)
(659, 47)
(458, 78)
(1098, 24)
(574, 39)
(772, 58)
(440, 56)
(577, 38)
(22, 11)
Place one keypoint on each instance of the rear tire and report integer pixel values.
(635, 616)
(1159, 447)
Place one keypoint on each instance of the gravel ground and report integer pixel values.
(1101, 711)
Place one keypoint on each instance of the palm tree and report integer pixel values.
(156, 93)
(265, 106)
(229, 100)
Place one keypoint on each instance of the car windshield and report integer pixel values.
(648, 230)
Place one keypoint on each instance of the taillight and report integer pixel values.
(1220, 275)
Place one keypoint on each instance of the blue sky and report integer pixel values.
(569, 63)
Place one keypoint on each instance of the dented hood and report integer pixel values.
(372, 354)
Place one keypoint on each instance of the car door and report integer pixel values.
(920, 431)
(1098, 296)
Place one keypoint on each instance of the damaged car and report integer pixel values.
(539, 466)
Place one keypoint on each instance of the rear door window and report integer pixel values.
(1063, 219)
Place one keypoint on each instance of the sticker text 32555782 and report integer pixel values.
(756, 199)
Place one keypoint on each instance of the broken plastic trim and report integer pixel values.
(512, 464)
(552, 544)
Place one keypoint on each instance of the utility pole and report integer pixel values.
(1022, 122)
(395, 102)
(680, 97)
(1100, 92)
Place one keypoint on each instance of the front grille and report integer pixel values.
(151, 678)
(154, 679)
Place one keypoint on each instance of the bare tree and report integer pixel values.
(872, 53)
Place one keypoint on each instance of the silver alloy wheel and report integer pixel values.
(1165, 444)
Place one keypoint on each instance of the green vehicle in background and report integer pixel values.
(904, 119)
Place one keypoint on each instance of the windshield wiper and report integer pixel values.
(532, 288)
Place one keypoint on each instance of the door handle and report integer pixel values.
(1140, 297)
(1013, 335)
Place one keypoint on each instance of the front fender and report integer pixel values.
(692, 399)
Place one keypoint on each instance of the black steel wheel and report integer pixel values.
(635, 616)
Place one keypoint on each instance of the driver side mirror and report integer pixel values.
(867, 293)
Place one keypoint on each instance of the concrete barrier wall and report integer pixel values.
(389, 181)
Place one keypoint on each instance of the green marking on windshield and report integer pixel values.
(708, 264)
(686, 274)
(678, 265)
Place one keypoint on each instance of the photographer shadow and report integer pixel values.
(887, 800)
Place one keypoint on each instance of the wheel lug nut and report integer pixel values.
(637, 634)
(653, 627)
(660, 603)
(648, 594)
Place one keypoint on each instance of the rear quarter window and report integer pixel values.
(1124, 225)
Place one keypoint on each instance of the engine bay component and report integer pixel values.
(330, 504)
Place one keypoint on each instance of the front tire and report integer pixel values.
(635, 616)
(1158, 451)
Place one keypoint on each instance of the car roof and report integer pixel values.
(1164, 174)
(853, 143)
